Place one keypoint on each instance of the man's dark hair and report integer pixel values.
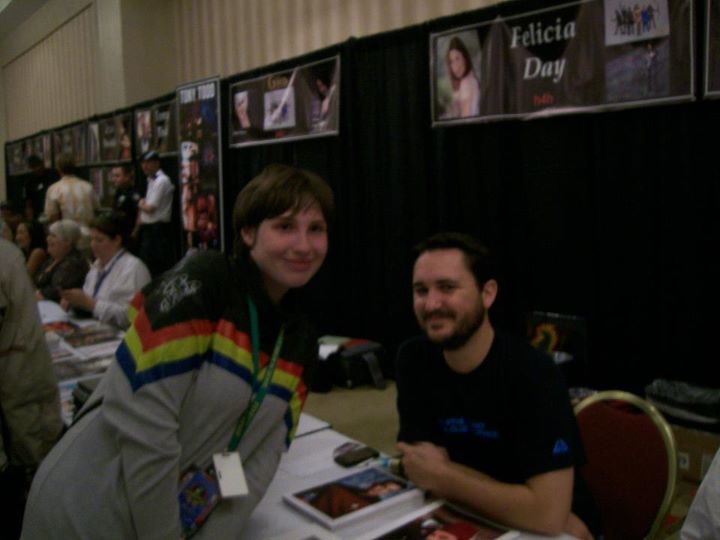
(34, 162)
(111, 224)
(477, 256)
(126, 168)
(65, 164)
(277, 189)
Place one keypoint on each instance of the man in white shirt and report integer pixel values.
(156, 234)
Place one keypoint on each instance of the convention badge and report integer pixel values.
(198, 495)
(230, 474)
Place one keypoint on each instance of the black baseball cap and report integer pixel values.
(150, 155)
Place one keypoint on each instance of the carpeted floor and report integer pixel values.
(369, 415)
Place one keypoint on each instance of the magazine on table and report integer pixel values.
(440, 519)
(355, 496)
(311, 532)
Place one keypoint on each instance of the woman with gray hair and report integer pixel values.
(66, 267)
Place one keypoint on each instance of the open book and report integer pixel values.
(352, 497)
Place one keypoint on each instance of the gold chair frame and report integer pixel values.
(667, 437)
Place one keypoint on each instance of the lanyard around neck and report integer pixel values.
(259, 391)
(102, 274)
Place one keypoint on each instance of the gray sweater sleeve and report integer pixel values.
(146, 424)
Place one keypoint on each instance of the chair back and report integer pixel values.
(631, 464)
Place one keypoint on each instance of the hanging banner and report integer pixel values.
(200, 164)
(581, 56)
(299, 103)
(712, 49)
(164, 136)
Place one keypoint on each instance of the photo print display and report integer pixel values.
(165, 138)
(143, 131)
(199, 164)
(295, 103)
(580, 56)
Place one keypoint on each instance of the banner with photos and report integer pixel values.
(712, 48)
(584, 55)
(17, 153)
(144, 131)
(298, 103)
(163, 121)
(199, 164)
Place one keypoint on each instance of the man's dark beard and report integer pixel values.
(464, 331)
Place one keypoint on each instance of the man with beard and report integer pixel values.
(485, 420)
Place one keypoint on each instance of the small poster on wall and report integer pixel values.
(123, 134)
(200, 164)
(298, 103)
(108, 139)
(164, 120)
(93, 144)
(143, 131)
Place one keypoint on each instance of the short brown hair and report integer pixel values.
(277, 189)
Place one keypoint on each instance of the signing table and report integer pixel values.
(309, 462)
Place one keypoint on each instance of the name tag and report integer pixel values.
(230, 474)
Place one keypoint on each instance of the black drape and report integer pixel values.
(611, 216)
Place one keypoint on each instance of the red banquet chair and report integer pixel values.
(631, 464)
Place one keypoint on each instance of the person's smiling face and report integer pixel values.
(288, 249)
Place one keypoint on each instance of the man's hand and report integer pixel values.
(424, 463)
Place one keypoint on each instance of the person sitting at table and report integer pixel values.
(485, 419)
(187, 382)
(114, 277)
(30, 238)
(66, 268)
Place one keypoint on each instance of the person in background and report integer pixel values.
(485, 420)
(30, 422)
(156, 234)
(465, 85)
(114, 277)
(703, 518)
(126, 200)
(37, 185)
(30, 238)
(12, 214)
(66, 268)
(183, 386)
(70, 197)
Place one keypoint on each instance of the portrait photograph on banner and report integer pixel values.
(297, 103)
(584, 55)
(199, 165)
(163, 119)
(79, 137)
(143, 131)
(457, 75)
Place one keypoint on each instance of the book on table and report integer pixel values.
(352, 497)
(440, 519)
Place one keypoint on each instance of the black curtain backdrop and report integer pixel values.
(610, 216)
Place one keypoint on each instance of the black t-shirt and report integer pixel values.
(510, 417)
(126, 201)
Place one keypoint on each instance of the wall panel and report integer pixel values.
(223, 37)
(53, 82)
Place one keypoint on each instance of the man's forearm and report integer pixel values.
(541, 505)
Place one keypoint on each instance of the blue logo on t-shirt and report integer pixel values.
(461, 425)
(561, 447)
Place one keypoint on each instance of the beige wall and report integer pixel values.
(76, 58)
